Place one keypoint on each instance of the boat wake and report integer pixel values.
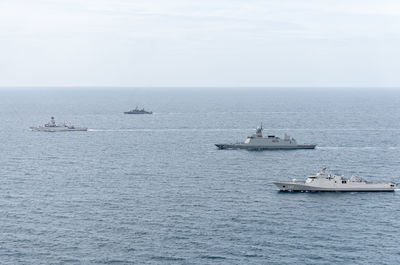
(357, 147)
(113, 130)
(164, 130)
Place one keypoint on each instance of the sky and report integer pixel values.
(200, 43)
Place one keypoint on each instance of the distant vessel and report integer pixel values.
(323, 182)
(53, 127)
(138, 111)
(257, 142)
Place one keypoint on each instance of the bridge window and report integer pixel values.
(343, 182)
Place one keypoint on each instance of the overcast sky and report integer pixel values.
(199, 43)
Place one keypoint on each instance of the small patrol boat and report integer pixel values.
(327, 182)
(138, 111)
(257, 142)
(51, 126)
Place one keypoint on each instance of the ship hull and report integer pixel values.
(127, 112)
(44, 129)
(265, 147)
(351, 187)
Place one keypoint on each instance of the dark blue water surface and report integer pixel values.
(153, 189)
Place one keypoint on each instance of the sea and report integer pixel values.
(154, 189)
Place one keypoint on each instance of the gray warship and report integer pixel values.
(51, 126)
(257, 142)
(333, 182)
(138, 111)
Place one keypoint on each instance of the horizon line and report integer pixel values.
(202, 87)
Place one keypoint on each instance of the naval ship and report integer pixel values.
(138, 111)
(257, 142)
(327, 182)
(51, 126)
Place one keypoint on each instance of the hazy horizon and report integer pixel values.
(215, 88)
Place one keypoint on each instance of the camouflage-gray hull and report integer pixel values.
(269, 147)
(303, 187)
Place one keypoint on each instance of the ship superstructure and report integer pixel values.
(334, 182)
(257, 141)
(51, 126)
(138, 111)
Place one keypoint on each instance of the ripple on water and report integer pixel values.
(155, 190)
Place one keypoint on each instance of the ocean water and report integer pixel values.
(153, 189)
